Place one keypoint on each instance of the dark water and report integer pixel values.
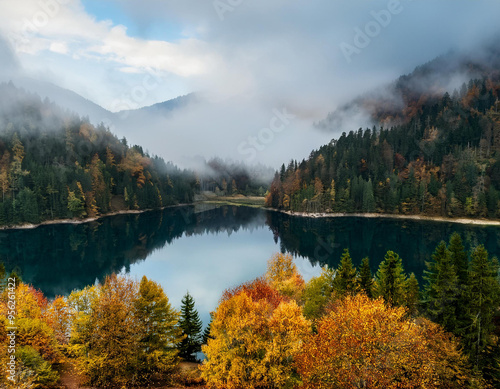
(206, 250)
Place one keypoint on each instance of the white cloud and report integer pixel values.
(59, 47)
(36, 26)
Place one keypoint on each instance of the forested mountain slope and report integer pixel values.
(54, 164)
(443, 158)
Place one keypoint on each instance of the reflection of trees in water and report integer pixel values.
(322, 240)
(60, 258)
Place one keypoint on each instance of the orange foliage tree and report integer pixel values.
(255, 334)
(363, 343)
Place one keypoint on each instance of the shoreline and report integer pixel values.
(441, 219)
(312, 215)
(31, 226)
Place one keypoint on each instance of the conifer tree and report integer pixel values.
(412, 295)
(441, 291)
(345, 276)
(483, 298)
(458, 257)
(366, 277)
(391, 280)
(191, 326)
(206, 332)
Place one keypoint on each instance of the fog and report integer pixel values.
(263, 71)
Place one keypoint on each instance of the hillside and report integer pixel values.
(55, 165)
(405, 98)
(441, 157)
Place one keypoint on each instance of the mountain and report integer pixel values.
(430, 152)
(95, 113)
(163, 108)
(66, 99)
(54, 164)
(403, 99)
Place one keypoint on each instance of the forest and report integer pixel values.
(378, 330)
(56, 165)
(439, 158)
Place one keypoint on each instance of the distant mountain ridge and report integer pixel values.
(401, 100)
(78, 104)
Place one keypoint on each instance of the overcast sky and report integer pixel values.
(249, 58)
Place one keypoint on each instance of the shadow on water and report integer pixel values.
(322, 240)
(60, 258)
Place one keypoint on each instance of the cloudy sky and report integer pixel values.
(249, 59)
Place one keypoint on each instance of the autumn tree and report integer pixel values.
(159, 331)
(4, 173)
(364, 343)
(107, 341)
(190, 325)
(282, 274)
(37, 348)
(256, 335)
(124, 332)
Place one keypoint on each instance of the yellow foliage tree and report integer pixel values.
(282, 274)
(253, 343)
(363, 343)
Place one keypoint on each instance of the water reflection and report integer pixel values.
(206, 249)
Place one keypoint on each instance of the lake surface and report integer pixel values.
(206, 249)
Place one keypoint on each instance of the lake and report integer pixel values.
(205, 249)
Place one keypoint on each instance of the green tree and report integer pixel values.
(459, 257)
(412, 295)
(483, 297)
(208, 328)
(441, 292)
(159, 331)
(366, 277)
(345, 277)
(368, 197)
(191, 326)
(318, 293)
(391, 280)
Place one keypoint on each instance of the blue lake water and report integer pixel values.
(205, 249)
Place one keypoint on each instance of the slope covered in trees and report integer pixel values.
(54, 164)
(441, 160)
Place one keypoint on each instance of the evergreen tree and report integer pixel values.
(458, 257)
(368, 197)
(391, 280)
(412, 295)
(345, 276)
(366, 277)
(206, 332)
(191, 326)
(483, 298)
(441, 291)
